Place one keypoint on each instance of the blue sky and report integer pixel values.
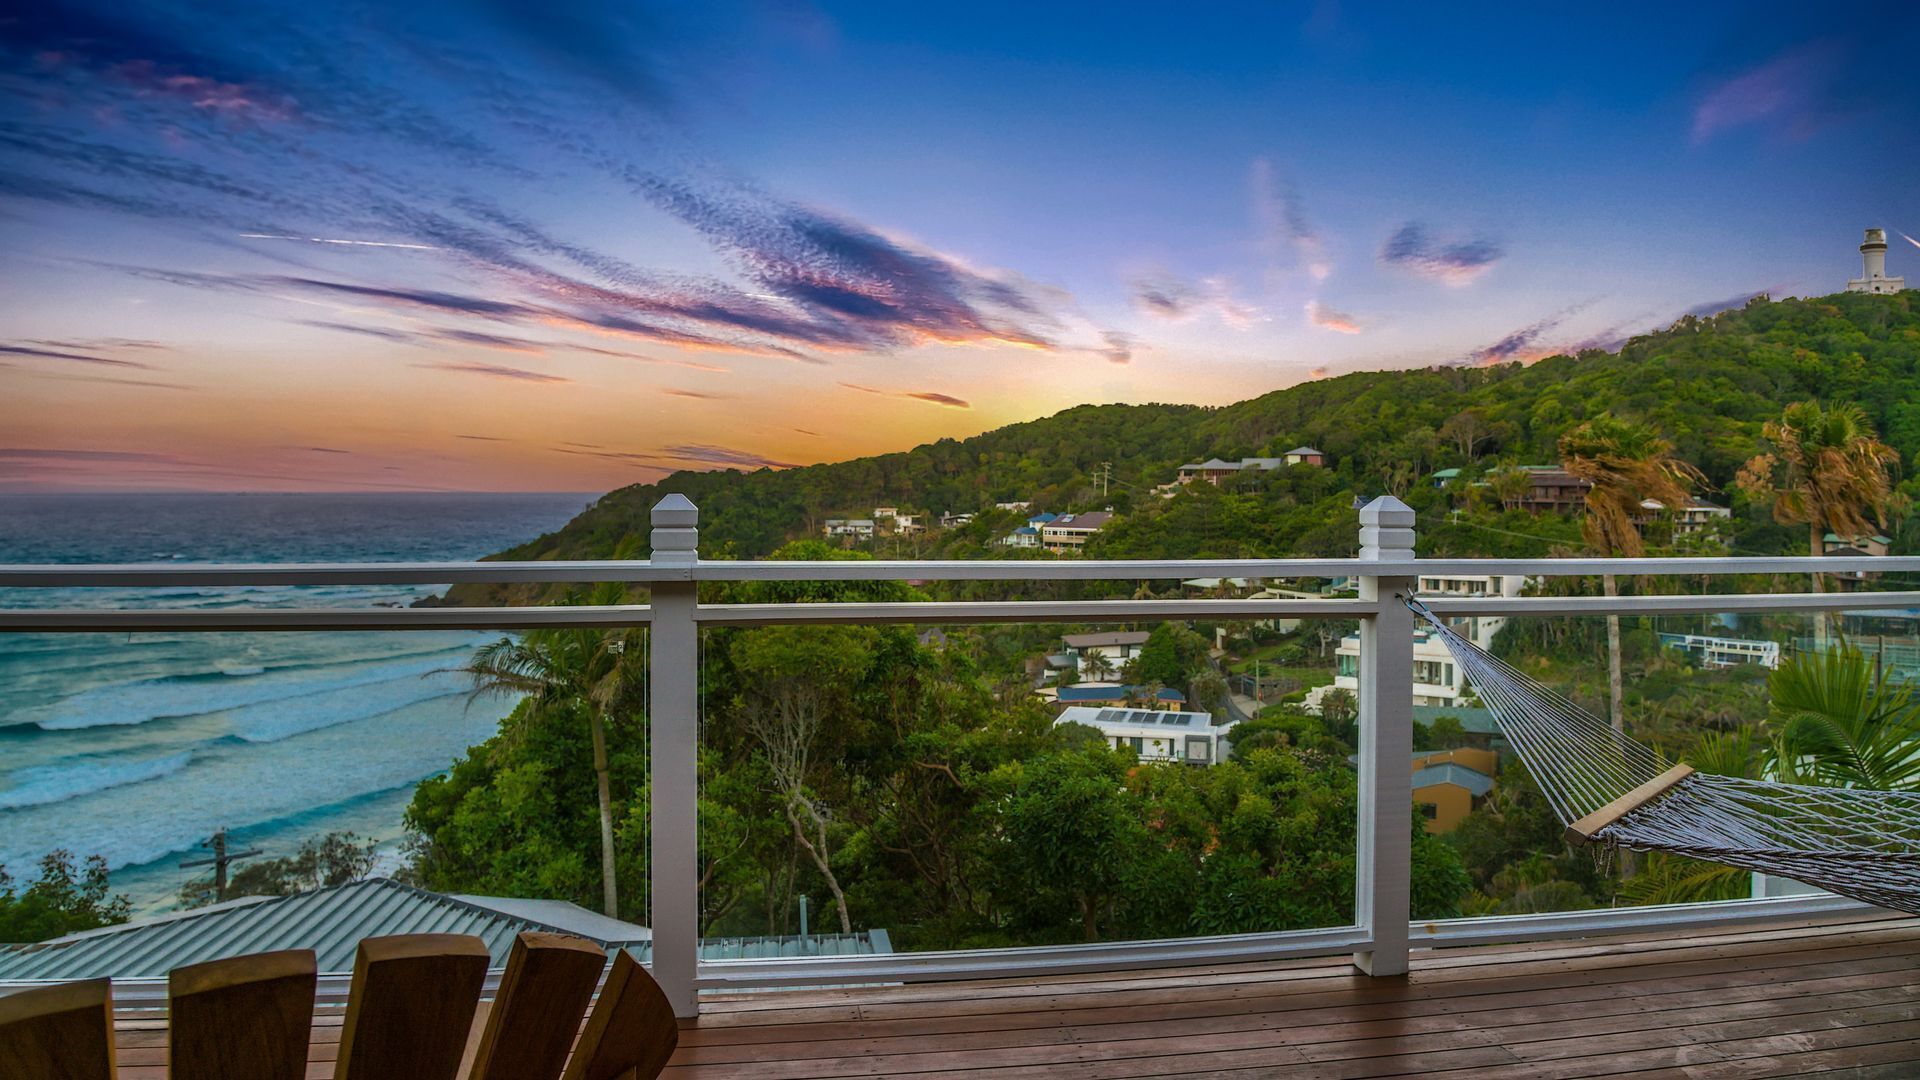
(589, 243)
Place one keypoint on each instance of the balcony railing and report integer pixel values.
(1385, 571)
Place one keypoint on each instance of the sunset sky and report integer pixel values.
(567, 246)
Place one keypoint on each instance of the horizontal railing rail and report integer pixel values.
(141, 575)
(1385, 573)
(155, 620)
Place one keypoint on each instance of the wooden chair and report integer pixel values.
(62, 1032)
(411, 1006)
(244, 1018)
(536, 1011)
(410, 1014)
(631, 1033)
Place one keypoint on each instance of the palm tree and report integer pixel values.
(1097, 665)
(1835, 724)
(1827, 471)
(565, 673)
(1626, 464)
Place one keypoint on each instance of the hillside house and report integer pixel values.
(1723, 652)
(854, 529)
(1215, 470)
(1028, 535)
(1116, 647)
(1449, 784)
(1153, 734)
(1552, 489)
(1304, 455)
(1070, 532)
(954, 521)
(1479, 629)
(1694, 517)
(1437, 680)
(1875, 546)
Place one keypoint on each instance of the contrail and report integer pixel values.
(327, 240)
(1908, 239)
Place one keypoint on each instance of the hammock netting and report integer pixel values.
(1859, 843)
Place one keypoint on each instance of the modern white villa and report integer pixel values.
(1116, 647)
(1155, 735)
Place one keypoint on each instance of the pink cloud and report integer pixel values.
(1786, 90)
(1327, 318)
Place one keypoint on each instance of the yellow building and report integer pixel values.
(1448, 784)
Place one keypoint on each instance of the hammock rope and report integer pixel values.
(1855, 842)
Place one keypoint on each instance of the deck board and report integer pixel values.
(1839, 994)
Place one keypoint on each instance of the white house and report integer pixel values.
(1155, 735)
(1720, 652)
(885, 512)
(1014, 506)
(1026, 536)
(855, 528)
(1691, 518)
(1115, 646)
(1070, 532)
(1479, 629)
(1437, 680)
(1304, 455)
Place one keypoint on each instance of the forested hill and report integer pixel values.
(1706, 384)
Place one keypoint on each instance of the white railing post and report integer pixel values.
(1382, 887)
(674, 678)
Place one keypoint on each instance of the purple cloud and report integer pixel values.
(1452, 261)
(1284, 227)
(1790, 90)
(62, 354)
(497, 371)
(1168, 298)
(927, 396)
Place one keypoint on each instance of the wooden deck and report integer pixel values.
(1838, 995)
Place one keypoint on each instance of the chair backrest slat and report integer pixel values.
(62, 1032)
(243, 1017)
(536, 1011)
(411, 1007)
(632, 1031)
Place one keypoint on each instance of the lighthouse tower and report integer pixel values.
(1874, 279)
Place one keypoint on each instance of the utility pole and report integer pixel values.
(1105, 475)
(218, 842)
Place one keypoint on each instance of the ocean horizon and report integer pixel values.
(137, 747)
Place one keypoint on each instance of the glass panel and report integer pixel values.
(912, 788)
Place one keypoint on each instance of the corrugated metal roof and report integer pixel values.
(1451, 773)
(331, 922)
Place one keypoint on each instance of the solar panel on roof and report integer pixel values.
(1180, 719)
(1108, 716)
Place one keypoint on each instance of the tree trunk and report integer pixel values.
(819, 856)
(609, 894)
(1814, 537)
(1616, 704)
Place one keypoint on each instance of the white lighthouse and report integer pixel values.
(1874, 279)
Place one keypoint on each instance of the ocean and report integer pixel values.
(137, 747)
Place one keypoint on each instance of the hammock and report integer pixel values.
(1610, 790)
